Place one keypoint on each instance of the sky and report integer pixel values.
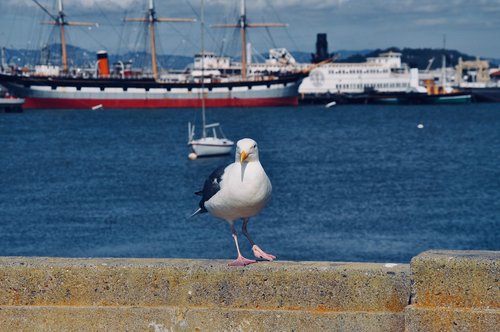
(468, 26)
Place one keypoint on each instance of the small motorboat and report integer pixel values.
(10, 104)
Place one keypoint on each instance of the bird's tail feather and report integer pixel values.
(197, 212)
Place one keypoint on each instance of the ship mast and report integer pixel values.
(243, 25)
(60, 21)
(443, 65)
(204, 120)
(151, 19)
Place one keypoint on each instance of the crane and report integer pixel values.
(431, 61)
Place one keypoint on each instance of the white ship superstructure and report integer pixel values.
(384, 73)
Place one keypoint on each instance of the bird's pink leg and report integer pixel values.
(240, 261)
(259, 253)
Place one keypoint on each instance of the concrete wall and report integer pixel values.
(52, 294)
(455, 291)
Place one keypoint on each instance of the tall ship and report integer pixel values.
(64, 87)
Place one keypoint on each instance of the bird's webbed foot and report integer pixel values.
(242, 261)
(259, 253)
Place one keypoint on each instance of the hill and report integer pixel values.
(305, 57)
(419, 57)
(84, 58)
(416, 58)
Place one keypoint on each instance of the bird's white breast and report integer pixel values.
(241, 196)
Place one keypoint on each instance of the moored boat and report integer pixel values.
(207, 145)
(434, 93)
(69, 92)
(11, 104)
(477, 78)
(64, 89)
(406, 98)
(485, 94)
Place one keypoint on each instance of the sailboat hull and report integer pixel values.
(207, 150)
(53, 92)
(211, 145)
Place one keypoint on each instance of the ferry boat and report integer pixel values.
(57, 87)
(346, 82)
(360, 82)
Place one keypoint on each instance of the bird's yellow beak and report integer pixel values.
(243, 156)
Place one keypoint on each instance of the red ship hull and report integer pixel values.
(64, 92)
(50, 103)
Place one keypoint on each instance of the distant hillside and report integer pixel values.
(419, 57)
(305, 57)
(77, 56)
(84, 58)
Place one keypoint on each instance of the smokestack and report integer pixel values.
(321, 48)
(103, 64)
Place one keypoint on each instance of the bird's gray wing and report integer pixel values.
(211, 186)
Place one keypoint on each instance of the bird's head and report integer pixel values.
(246, 151)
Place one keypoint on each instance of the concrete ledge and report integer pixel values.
(169, 282)
(445, 291)
(451, 319)
(162, 319)
(461, 279)
(165, 294)
(455, 291)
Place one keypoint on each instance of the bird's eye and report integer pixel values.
(254, 146)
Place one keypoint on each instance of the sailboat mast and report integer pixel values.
(204, 131)
(243, 26)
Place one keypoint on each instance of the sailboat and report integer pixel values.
(215, 144)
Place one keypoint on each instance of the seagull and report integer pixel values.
(238, 191)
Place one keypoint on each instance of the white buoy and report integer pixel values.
(330, 104)
(420, 126)
(97, 107)
(192, 156)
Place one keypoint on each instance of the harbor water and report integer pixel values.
(350, 183)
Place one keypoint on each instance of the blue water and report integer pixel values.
(350, 183)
